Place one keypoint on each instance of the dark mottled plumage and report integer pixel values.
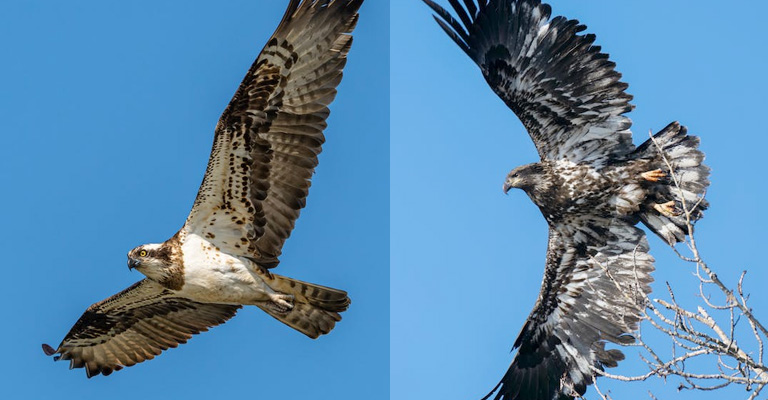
(592, 186)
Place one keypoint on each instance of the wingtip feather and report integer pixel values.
(48, 350)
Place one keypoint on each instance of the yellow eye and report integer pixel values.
(143, 253)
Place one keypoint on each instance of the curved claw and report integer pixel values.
(669, 209)
(654, 176)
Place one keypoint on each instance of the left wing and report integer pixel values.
(268, 138)
(589, 296)
(563, 89)
(133, 326)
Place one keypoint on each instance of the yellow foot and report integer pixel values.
(654, 175)
(667, 209)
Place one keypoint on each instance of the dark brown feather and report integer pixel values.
(133, 326)
(268, 138)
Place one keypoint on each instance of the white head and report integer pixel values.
(159, 262)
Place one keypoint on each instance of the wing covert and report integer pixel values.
(135, 325)
(268, 138)
(564, 90)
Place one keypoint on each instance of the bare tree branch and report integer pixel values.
(707, 332)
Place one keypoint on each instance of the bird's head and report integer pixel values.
(524, 177)
(153, 260)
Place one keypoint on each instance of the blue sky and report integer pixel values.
(108, 112)
(467, 260)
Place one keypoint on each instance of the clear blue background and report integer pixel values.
(467, 260)
(107, 116)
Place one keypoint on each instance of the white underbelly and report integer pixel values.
(216, 277)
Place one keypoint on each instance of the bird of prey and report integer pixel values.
(264, 153)
(591, 184)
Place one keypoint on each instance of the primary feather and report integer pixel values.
(591, 184)
(264, 153)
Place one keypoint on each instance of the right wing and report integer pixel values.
(268, 138)
(591, 294)
(135, 325)
(563, 89)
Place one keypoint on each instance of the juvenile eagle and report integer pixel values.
(592, 185)
(264, 153)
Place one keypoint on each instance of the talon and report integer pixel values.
(667, 209)
(653, 176)
(281, 303)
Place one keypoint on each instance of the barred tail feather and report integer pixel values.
(315, 308)
(683, 155)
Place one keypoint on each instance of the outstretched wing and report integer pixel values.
(133, 326)
(564, 90)
(268, 138)
(591, 294)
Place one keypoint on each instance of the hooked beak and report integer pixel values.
(508, 184)
(133, 263)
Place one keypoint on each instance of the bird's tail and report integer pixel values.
(315, 308)
(680, 186)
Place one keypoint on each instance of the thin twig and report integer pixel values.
(697, 334)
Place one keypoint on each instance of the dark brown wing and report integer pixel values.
(591, 294)
(563, 89)
(267, 141)
(133, 326)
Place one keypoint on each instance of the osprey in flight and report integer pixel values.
(264, 153)
(592, 185)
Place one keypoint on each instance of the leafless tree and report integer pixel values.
(721, 332)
